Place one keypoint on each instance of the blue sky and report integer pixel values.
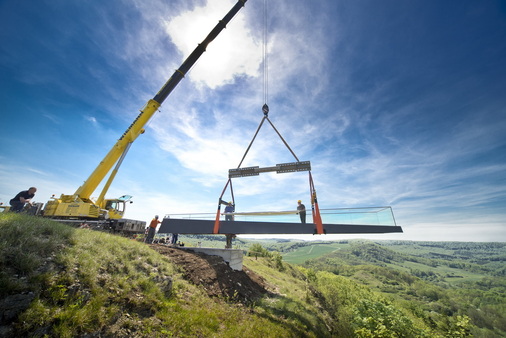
(394, 103)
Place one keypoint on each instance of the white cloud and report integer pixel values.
(91, 119)
(234, 51)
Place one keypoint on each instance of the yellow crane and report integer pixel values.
(80, 206)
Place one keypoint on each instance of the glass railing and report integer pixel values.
(356, 216)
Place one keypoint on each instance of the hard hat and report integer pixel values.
(156, 216)
(299, 201)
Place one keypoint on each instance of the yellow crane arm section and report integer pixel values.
(136, 128)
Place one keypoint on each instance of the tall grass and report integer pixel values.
(26, 245)
(93, 283)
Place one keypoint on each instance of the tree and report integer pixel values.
(258, 250)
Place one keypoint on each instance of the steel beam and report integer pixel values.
(199, 226)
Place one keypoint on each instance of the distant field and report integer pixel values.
(436, 257)
(302, 254)
(418, 250)
(452, 275)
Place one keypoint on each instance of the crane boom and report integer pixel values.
(118, 151)
(136, 128)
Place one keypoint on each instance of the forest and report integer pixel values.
(436, 282)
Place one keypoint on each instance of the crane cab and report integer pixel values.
(73, 207)
(115, 208)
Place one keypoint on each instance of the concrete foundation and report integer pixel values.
(232, 256)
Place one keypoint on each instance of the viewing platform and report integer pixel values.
(367, 220)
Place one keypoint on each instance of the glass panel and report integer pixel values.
(356, 216)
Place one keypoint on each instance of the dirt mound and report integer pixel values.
(215, 275)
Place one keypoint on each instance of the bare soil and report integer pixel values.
(215, 275)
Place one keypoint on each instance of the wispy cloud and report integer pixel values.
(52, 118)
(92, 120)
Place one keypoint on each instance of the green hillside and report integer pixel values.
(305, 253)
(58, 281)
(435, 279)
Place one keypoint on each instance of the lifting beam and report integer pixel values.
(278, 168)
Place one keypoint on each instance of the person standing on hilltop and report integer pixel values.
(152, 229)
(23, 197)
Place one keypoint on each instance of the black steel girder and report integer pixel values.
(199, 226)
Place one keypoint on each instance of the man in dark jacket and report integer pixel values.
(229, 210)
(19, 201)
(301, 208)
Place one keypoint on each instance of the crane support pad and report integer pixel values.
(200, 226)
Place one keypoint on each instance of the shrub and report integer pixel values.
(381, 319)
(257, 250)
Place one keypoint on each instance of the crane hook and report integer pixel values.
(265, 109)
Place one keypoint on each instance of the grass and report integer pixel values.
(308, 252)
(293, 304)
(93, 283)
(25, 244)
(88, 283)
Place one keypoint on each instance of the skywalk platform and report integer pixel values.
(373, 220)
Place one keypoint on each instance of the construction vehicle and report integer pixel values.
(79, 206)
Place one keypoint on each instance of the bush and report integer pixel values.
(381, 319)
(257, 250)
(277, 260)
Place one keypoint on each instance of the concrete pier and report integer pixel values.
(232, 256)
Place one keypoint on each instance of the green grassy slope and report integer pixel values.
(77, 282)
(86, 282)
(309, 252)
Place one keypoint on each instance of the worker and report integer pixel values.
(301, 208)
(22, 198)
(229, 238)
(229, 209)
(152, 229)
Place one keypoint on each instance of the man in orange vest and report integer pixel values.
(152, 229)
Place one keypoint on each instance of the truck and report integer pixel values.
(79, 207)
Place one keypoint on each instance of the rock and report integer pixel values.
(12, 306)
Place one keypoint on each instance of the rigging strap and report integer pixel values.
(249, 146)
(282, 139)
